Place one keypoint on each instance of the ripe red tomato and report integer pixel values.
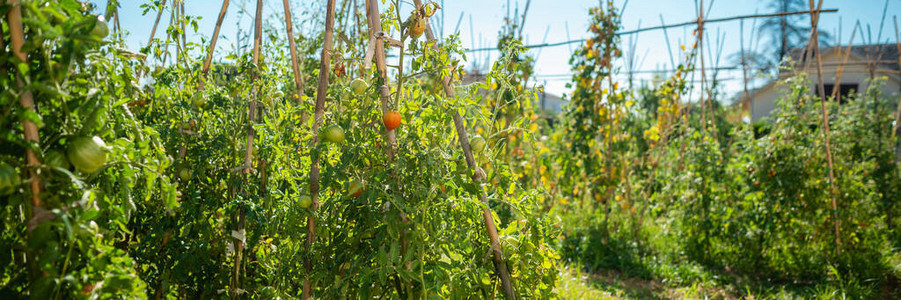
(391, 120)
(418, 27)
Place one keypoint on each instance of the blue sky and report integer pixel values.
(555, 16)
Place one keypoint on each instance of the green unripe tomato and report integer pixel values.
(305, 201)
(88, 154)
(358, 86)
(333, 134)
(185, 173)
(199, 100)
(9, 179)
(477, 144)
(100, 30)
(56, 159)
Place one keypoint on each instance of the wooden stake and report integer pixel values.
(897, 46)
(497, 250)
(248, 158)
(156, 23)
(213, 39)
(206, 64)
(840, 69)
(26, 100)
(289, 26)
(375, 30)
(746, 97)
(184, 39)
(700, 31)
(321, 92)
(814, 43)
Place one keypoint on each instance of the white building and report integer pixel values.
(854, 76)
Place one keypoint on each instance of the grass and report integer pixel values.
(575, 284)
(669, 283)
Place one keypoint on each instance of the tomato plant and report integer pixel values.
(64, 230)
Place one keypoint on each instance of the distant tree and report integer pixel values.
(782, 34)
(788, 32)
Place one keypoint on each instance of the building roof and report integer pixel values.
(885, 54)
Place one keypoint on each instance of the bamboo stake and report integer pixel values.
(814, 42)
(159, 14)
(173, 22)
(608, 164)
(746, 97)
(321, 92)
(213, 39)
(26, 100)
(184, 39)
(879, 49)
(752, 49)
(700, 42)
(840, 69)
(897, 46)
(166, 50)
(206, 65)
(374, 22)
(248, 167)
(116, 28)
(375, 30)
(289, 26)
(497, 250)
